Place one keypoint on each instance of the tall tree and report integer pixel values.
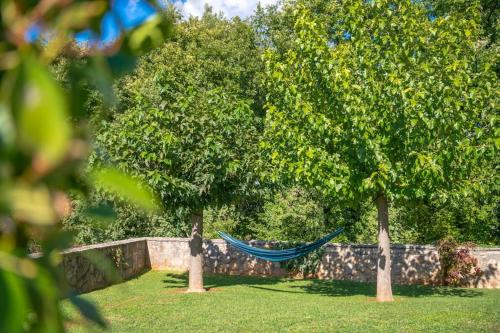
(186, 122)
(378, 100)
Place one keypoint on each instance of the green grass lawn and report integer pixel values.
(155, 302)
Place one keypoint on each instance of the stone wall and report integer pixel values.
(411, 264)
(489, 261)
(219, 258)
(87, 268)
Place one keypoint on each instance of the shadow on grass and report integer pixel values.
(349, 288)
(317, 287)
(180, 280)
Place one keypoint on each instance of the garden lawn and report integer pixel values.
(155, 302)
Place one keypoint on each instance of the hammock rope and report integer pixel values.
(279, 255)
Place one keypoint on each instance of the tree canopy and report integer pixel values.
(204, 57)
(381, 97)
(186, 122)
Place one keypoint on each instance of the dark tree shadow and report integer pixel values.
(348, 288)
(320, 287)
(180, 280)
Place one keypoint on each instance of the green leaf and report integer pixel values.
(125, 187)
(105, 264)
(149, 34)
(88, 310)
(14, 305)
(44, 126)
(100, 213)
(79, 15)
(33, 205)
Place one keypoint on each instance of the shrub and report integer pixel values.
(458, 265)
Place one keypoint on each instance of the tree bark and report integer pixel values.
(196, 250)
(384, 288)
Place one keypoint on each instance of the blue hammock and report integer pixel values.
(279, 255)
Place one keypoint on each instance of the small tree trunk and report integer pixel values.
(384, 288)
(196, 250)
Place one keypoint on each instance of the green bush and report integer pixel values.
(100, 220)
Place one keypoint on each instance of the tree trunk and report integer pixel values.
(196, 249)
(384, 288)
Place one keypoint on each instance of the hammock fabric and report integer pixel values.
(279, 255)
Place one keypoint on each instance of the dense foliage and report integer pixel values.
(396, 104)
(119, 220)
(204, 54)
(185, 122)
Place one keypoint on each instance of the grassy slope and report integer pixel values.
(154, 302)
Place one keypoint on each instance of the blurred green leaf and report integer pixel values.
(39, 122)
(150, 34)
(13, 302)
(101, 77)
(45, 296)
(126, 187)
(121, 63)
(7, 133)
(43, 116)
(32, 205)
(101, 212)
(88, 310)
(20, 266)
(104, 264)
(79, 15)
